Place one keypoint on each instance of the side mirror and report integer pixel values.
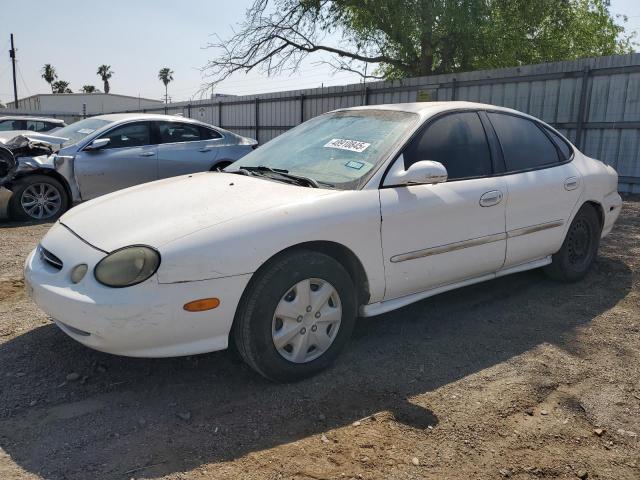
(420, 173)
(98, 144)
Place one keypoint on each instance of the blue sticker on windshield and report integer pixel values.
(355, 165)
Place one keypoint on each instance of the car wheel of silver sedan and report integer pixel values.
(38, 197)
(296, 315)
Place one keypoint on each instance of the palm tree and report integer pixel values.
(60, 87)
(49, 74)
(165, 75)
(89, 89)
(105, 73)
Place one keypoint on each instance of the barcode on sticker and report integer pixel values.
(344, 144)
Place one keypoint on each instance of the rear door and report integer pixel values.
(186, 148)
(543, 187)
(130, 158)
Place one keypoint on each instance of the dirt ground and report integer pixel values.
(517, 378)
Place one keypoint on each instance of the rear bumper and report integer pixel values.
(611, 204)
(146, 320)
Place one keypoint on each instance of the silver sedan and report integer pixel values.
(106, 153)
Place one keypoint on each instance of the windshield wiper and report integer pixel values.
(297, 179)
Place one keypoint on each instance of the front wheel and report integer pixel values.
(38, 197)
(580, 247)
(296, 316)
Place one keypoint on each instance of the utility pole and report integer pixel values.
(12, 54)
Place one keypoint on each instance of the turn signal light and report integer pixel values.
(202, 305)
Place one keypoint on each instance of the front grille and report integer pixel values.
(50, 258)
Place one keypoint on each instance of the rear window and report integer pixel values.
(524, 144)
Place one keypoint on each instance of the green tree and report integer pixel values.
(165, 75)
(61, 87)
(404, 38)
(49, 74)
(105, 73)
(89, 89)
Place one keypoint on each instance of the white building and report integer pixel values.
(76, 104)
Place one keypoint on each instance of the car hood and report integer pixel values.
(159, 212)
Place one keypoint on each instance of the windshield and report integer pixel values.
(78, 130)
(337, 150)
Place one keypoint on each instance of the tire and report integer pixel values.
(39, 188)
(579, 249)
(316, 337)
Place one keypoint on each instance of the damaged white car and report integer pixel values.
(355, 212)
(106, 153)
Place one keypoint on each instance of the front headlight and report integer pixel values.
(127, 266)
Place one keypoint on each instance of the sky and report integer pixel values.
(138, 38)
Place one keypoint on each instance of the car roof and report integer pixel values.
(25, 117)
(117, 117)
(429, 108)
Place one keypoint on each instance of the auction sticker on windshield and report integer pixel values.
(344, 144)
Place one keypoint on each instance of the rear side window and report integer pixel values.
(37, 126)
(178, 132)
(524, 144)
(458, 141)
(208, 133)
(561, 143)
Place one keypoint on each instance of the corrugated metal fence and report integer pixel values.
(595, 102)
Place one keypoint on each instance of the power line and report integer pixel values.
(22, 78)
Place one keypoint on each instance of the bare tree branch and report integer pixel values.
(279, 41)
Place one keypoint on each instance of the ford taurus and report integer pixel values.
(356, 212)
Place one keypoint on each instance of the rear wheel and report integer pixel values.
(580, 247)
(38, 197)
(296, 316)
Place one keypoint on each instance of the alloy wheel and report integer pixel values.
(41, 200)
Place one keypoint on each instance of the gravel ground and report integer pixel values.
(517, 378)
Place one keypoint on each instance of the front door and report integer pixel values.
(433, 235)
(130, 158)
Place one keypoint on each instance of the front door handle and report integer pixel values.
(489, 199)
(571, 183)
(147, 154)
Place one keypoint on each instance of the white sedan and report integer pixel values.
(356, 212)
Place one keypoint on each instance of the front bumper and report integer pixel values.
(146, 320)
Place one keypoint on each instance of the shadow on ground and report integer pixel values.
(127, 412)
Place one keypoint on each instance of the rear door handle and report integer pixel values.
(571, 183)
(147, 154)
(489, 199)
(205, 149)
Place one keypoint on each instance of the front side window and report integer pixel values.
(129, 135)
(524, 144)
(458, 142)
(338, 149)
